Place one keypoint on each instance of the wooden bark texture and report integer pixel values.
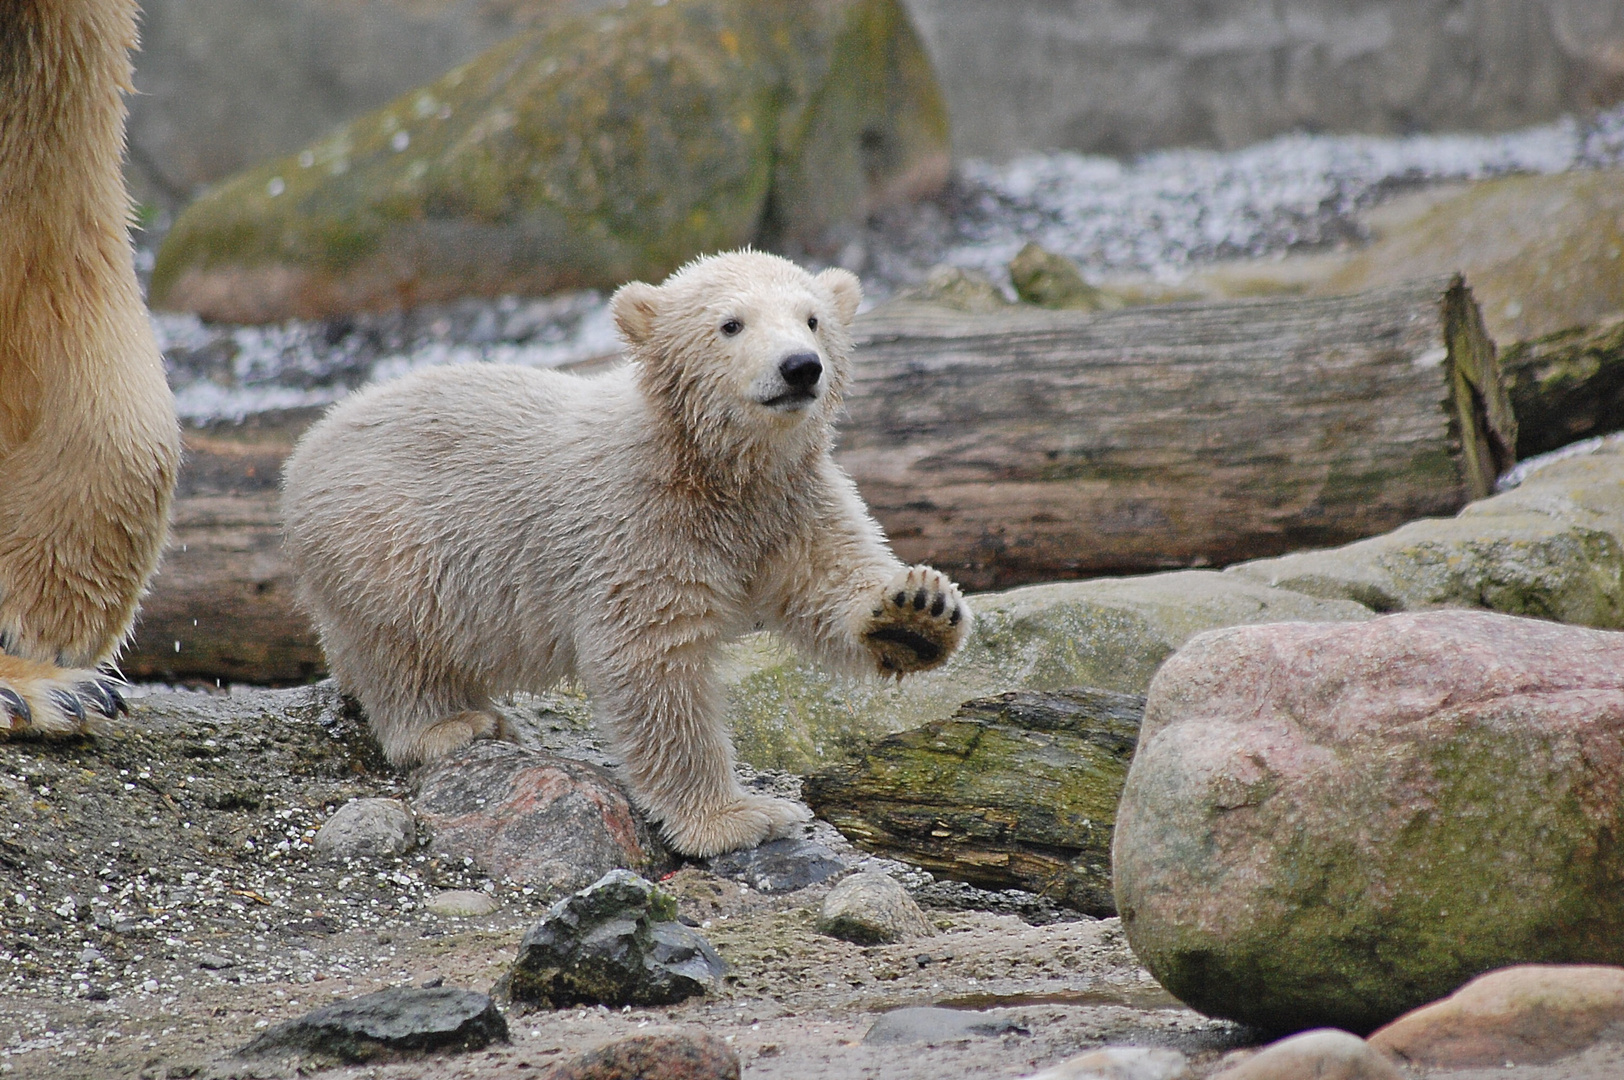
(1566, 386)
(1008, 448)
(1013, 792)
(1033, 445)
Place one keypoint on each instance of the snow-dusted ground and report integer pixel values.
(1162, 215)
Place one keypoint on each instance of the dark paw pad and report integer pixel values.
(918, 644)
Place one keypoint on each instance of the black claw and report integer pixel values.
(103, 697)
(899, 599)
(69, 703)
(13, 705)
(939, 606)
(919, 600)
(878, 612)
(958, 613)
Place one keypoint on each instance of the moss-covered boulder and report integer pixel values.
(1331, 825)
(1049, 279)
(1552, 547)
(1110, 633)
(1013, 792)
(581, 154)
(1543, 253)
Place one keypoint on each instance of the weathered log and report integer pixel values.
(1017, 791)
(221, 606)
(1031, 445)
(1566, 386)
(1006, 448)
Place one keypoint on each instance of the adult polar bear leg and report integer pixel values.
(89, 446)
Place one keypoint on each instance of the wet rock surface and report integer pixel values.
(1445, 736)
(679, 1056)
(616, 942)
(931, 1025)
(1526, 1015)
(1014, 791)
(783, 865)
(390, 1021)
(533, 817)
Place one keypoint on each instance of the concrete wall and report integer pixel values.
(225, 82)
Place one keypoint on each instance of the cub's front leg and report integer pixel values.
(918, 619)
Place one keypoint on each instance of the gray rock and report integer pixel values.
(872, 909)
(1329, 825)
(1553, 548)
(462, 903)
(1120, 1063)
(927, 1024)
(367, 829)
(614, 943)
(779, 866)
(533, 817)
(393, 1021)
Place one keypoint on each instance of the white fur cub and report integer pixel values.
(466, 531)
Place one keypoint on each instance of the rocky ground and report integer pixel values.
(162, 905)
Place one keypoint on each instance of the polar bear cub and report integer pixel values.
(467, 531)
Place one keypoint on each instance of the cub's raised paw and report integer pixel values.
(917, 622)
(743, 823)
(44, 700)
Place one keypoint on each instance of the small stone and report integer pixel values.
(1525, 1015)
(532, 816)
(397, 1020)
(675, 1056)
(214, 961)
(1051, 280)
(367, 829)
(1120, 1063)
(780, 866)
(928, 1024)
(872, 909)
(1326, 1054)
(616, 942)
(462, 903)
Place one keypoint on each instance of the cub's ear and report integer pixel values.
(635, 306)
(846, 290)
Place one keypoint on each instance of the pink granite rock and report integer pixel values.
(1331, 824)
(534, 817)
(1326, 1054)
(1524, 1015)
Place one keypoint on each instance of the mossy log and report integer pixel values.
(1566, 386)
(1030, 445)
(1017, 791)
(221, 606)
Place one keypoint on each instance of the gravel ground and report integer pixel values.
(161, 906)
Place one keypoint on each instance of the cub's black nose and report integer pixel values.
(801, 371)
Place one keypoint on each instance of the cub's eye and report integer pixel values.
(731, 327)
(812, 324)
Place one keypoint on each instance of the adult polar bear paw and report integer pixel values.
(919, 620)
(743, 823)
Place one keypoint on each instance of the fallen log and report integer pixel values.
(1032, 445)
(1013, 792)
(1566, 386)
(1007, 448)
